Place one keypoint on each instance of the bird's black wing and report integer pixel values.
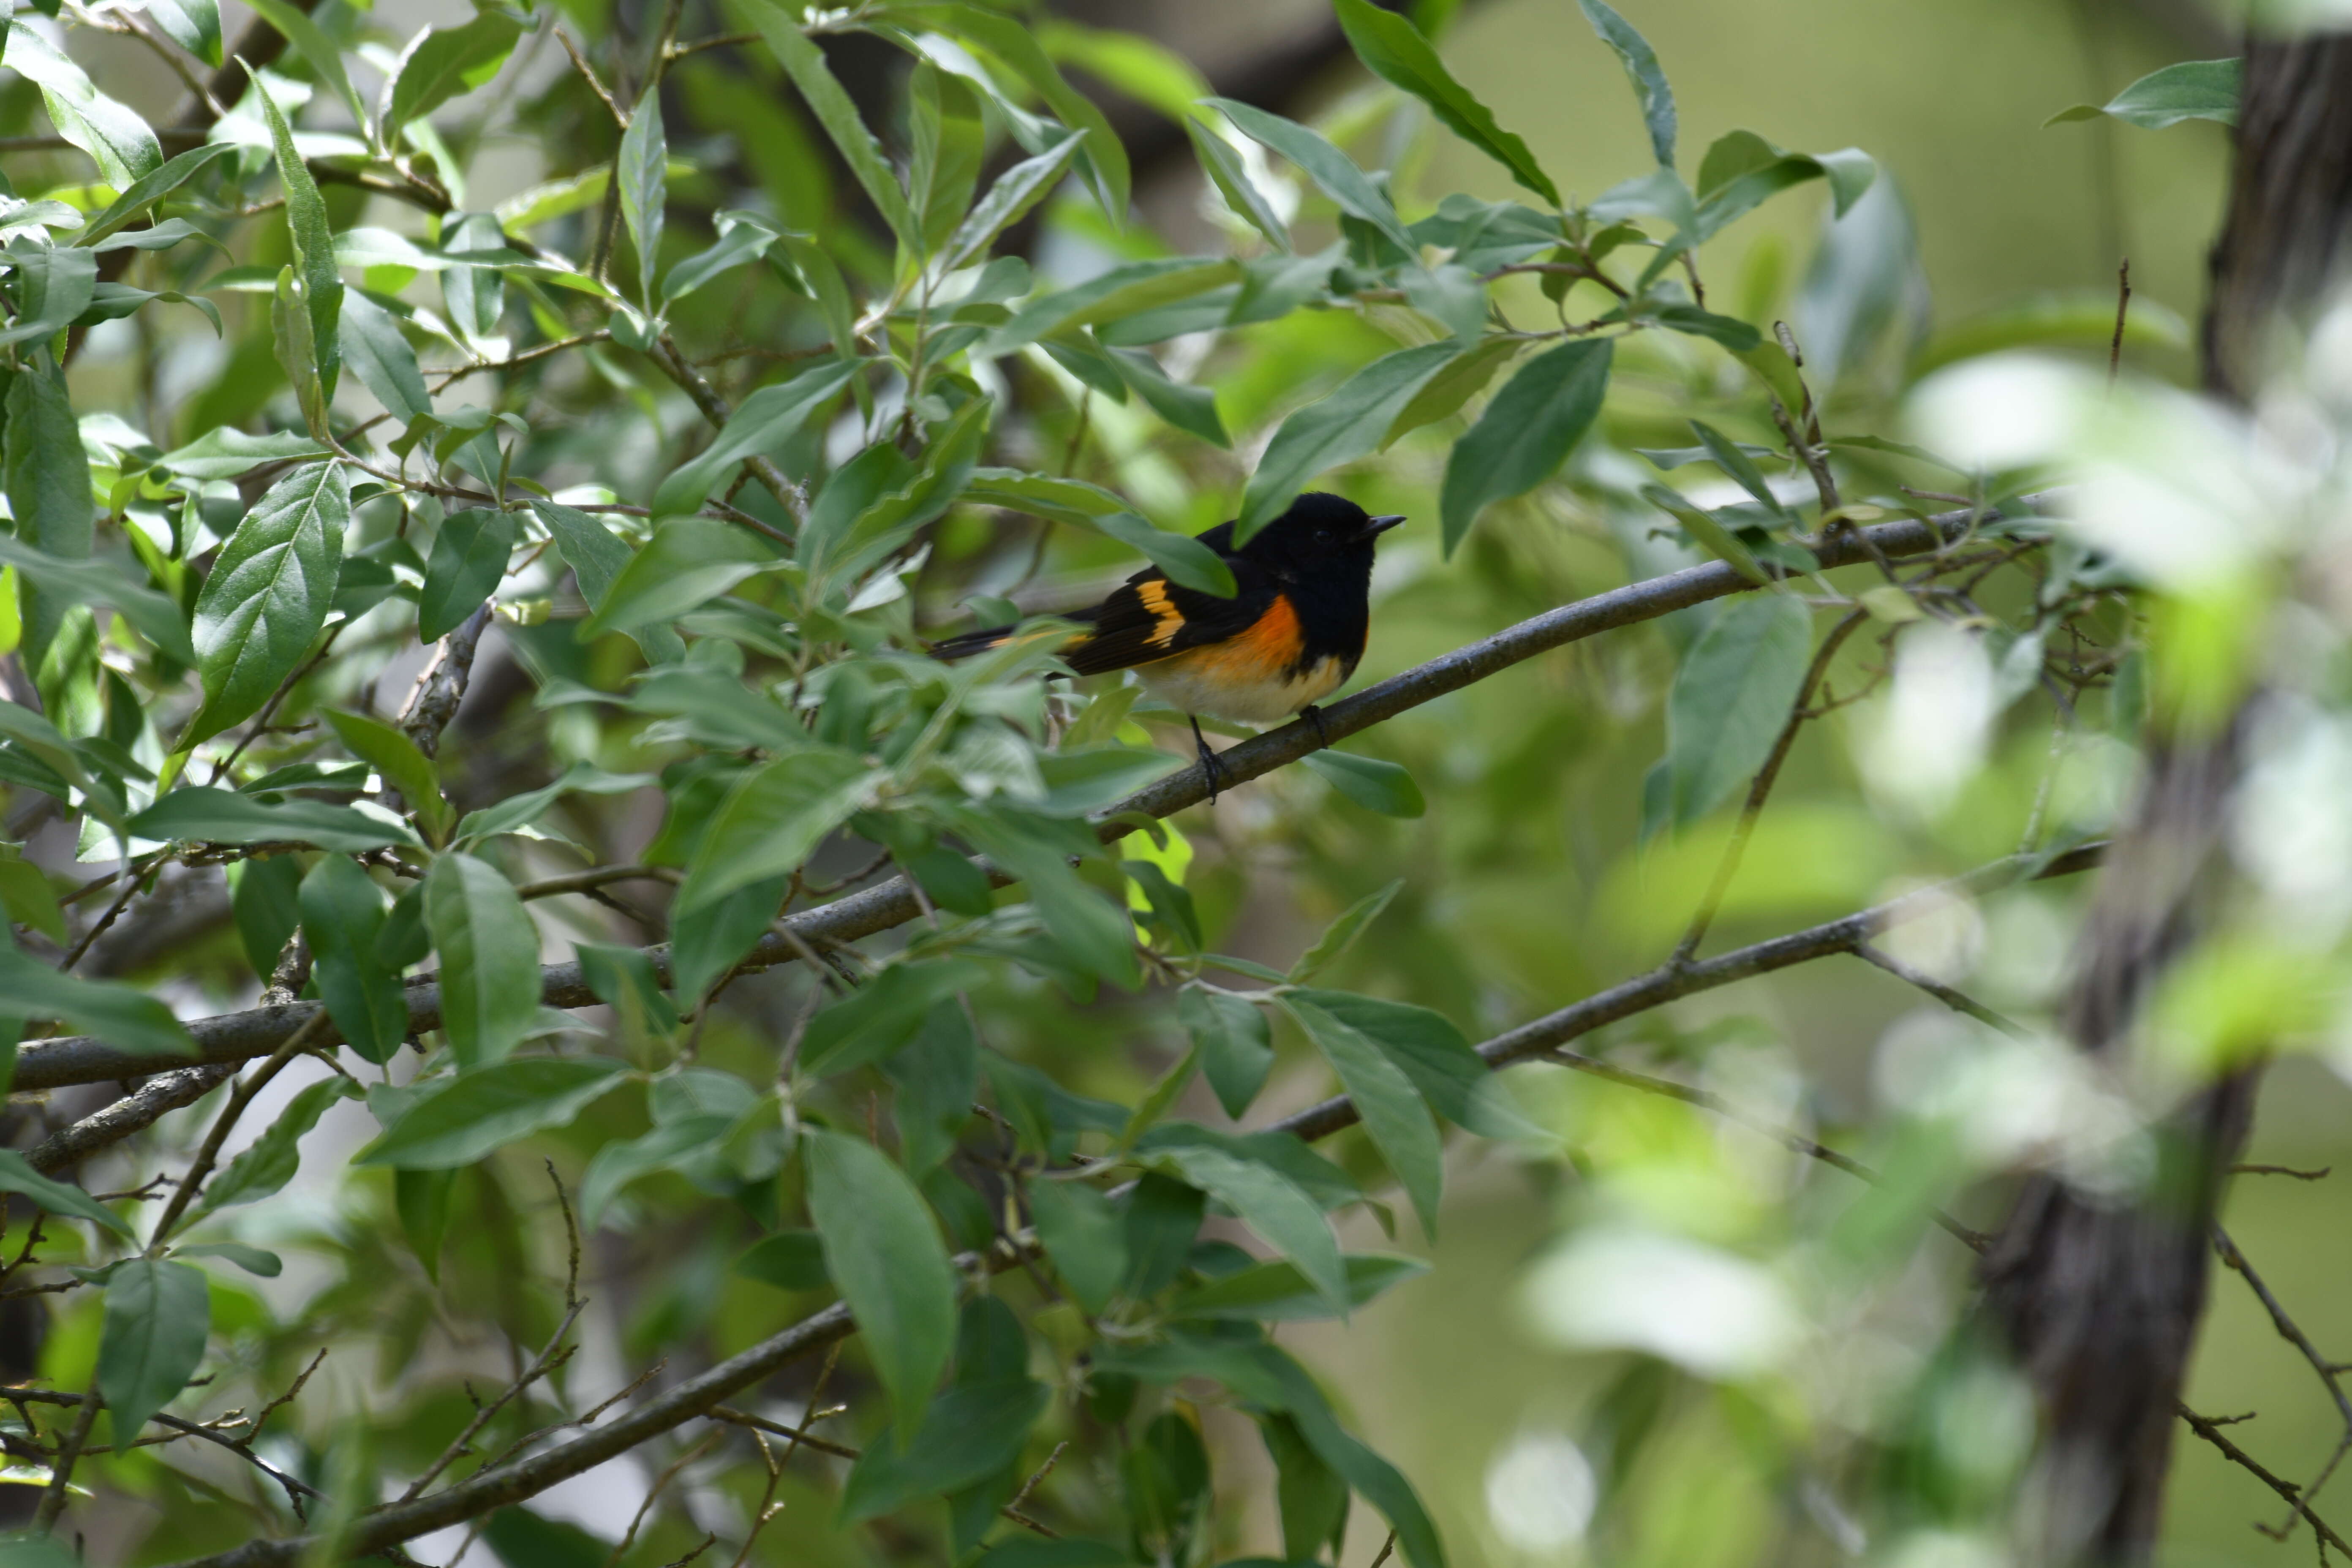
(1148, 617)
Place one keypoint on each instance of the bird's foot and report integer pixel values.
(1211, 770)
(1314, 716)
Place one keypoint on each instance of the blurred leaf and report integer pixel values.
(1348, 186)
(490, 959)
(1227, 172)
(57, 1197)
(705, 943)
(1391, 1108)
(774, 819)
(439, 63)
(1103, 156)
(267, 595)
(468, 561)
(52, 286)
(270, 1161)
(372, 344)
(1734, 460)
(1453, 1078)
(158, 1315)
(1236, 1049)
(1525, 433)
(342, 915)
(1392, 49)
(1703, 527)
(117, 140)
(116, 1014)
(882, 1247)
(2192, 89)
(421, 1201)
(30, 900)
(1341, 933)
(1732, 699)
(321, 280)
(643, 168)
(317, 51)
(760, 426)
(195, 27)
(789, 1261)
(459, 1121)
(1374, 784)
(48, 482)
(1272, 1206)
(1279, 1294)
(1864, 281)
(882, 1014)
(1191, 409)
(1337, 429)
(1642, 67)
(689, 562)
(252, 1260)
(1127, 289)
(392, 753)
(2083, 319)
(969, 1432)
(203, 813)
(1083, 1234)
(805, 63)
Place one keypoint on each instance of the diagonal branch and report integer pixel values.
(235, 1037)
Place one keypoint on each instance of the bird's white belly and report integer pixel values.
(1207, 687)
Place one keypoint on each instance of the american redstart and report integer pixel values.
(1290, 636)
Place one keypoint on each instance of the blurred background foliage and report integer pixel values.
(1525, 884)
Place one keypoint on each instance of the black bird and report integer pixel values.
(1291, 635)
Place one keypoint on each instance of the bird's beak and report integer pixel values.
(1376, 526)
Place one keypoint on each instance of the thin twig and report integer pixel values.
(1957, 1000)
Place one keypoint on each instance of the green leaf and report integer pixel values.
(227, 453)
(1526, 432)
(265, 899)
(644, 191)
(30, 900)
(205, 813)
(883, 1247)
(317, 51)
(1374, 784)
(1276, 1292)
(1231, 177)
(1236, 1049)
(421, 1199)
(468, 561)
(53, 285)
(1732, 699)
(2192, 89)
(667, 1147)
(158, 1315)
(1392, 49)
(689, 562)
(1337, 429)
(1642, 67)
(1103, 157)
(1125, 290)
(48, 476)
(252, 1260)
(117, 1014)
(882, 1014)
(1084, 1234)
(1342, 934)
(267, 595)
(970, 1432)
(761, 426)
(789, 1261)
(1727, 455)
(1703, 526)
(1453, 1078)
(490, 959)
(392, 753)
(705, 943)
(271, 1161)
(774, 819)
(1187, 562)
(195, 27)
(1391, 1107)
(1191, 409)
(57, 1197)
(461, 1120)
(343, 917)
(520, 811)
(1274, 1206)
(439, 63)
(1091, 778)
(116, 138)
(1734, 334)
(804, 61)
(2085, 319)
(321, 282)
(372, 344)
(1017, 190)
(1331, 170)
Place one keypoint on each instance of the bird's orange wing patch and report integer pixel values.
(1167, 619)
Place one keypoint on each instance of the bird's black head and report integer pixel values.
(1316, 530)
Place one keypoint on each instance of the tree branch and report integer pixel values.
(236, 1036)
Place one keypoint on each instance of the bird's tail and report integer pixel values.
(967, 644)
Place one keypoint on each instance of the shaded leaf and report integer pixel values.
(1392, 49)
(883, 1247)
(490, 958)
(459, 1119)
(468, 561)
(207, 814)
(1337, 429)
(1732, 699)
(158, 1315)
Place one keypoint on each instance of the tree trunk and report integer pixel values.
(2100, 1302)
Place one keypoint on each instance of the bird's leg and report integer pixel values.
(1314, 716)
(1211, 769)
